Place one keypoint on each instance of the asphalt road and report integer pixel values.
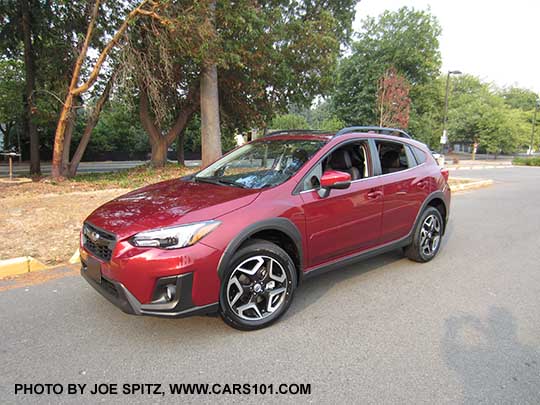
(464, 328)
(85, 167)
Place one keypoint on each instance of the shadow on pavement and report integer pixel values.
(493, 366)
(315, 288)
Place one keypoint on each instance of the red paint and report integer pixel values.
(370, 212)
(331, 177)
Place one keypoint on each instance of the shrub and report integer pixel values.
(529, 161)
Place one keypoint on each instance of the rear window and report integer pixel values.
(394, 156)
(419, 155)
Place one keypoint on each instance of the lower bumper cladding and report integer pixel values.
(181, 306)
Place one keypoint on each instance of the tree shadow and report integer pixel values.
(313, 289)
(493, 366)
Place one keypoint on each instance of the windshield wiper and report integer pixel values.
(205, 180)
(214, 180)
(231, 182)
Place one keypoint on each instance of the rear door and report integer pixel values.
(404, 186)
(346, 221)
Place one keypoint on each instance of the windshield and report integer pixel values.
(260, 164)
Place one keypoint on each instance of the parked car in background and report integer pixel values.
(241, 235)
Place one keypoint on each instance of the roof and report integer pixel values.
(348, 130)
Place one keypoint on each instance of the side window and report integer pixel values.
(352, 158)
(394, 157)
(312, 180)
(419, 155)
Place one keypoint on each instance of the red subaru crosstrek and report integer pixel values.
(242, 234)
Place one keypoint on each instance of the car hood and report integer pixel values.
(169, 203)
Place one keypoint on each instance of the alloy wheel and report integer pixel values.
(430, 235)
(257, 288)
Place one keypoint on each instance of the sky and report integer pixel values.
(498, 41)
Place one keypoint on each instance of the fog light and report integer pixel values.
(170, 292)
(165, 290)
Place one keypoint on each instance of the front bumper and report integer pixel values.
(120, 296)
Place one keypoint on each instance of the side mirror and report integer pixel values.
(334, 179)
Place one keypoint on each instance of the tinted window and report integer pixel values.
(352, 158)
(419, 155)
(393, 157)
(260, 164)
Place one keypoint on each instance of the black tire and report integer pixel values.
(418, 251)
(256, 250)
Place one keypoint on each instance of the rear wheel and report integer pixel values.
(427, 236)
(258, 286)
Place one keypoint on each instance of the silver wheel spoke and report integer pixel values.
(430, 235)
(234, 281)
(264, 281)
(274, 299)
(273, 275)
(248, 306)
(260, 262)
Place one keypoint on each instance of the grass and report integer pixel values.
(523, 161)
(132, 178)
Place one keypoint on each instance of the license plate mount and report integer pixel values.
(93, 269)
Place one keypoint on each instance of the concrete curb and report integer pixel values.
(75, 258)
(472, 185)
(480, 167)
(20, 265)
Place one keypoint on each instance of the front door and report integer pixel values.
(346, 221)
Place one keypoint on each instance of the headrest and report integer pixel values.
(341, 160)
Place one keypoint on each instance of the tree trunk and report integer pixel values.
(74, 90)
(90, 125)
(67, 141)
(158, 141)
(180, 148)
(210, 126)
(30, 79)
(159, 152)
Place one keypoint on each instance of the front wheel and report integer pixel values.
(427, 236)
(258, 286)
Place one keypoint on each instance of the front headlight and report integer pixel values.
(175, 237)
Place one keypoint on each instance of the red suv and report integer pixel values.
(242, 234)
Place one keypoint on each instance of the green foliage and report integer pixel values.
(11, 91)
(527, 161)
(331, 124)
(57, 28)
(518, 98)
(477, 113)
(289, 121)
(117, 132)
(407, 40)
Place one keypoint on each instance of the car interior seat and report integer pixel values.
(341, 160)
(390, 162)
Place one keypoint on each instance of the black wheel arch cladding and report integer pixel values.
(283, 225)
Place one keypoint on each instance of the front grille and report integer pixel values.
(98, 242)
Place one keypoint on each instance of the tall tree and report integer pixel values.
(210, 123)
(406, 39)
(30, 79)
(267, 56)
(75, 89)
(393, 102)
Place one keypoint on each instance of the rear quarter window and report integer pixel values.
(419, 155)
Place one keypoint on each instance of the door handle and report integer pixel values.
(373, 195)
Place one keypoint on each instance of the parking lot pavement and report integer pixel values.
(464, 328)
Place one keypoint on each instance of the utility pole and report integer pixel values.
(536, 108)
(444, 137)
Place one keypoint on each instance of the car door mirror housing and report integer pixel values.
(333, 179)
